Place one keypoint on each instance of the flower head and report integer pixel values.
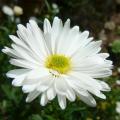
(18, 10)
(7, 10)
(118, 107)
(60, 62)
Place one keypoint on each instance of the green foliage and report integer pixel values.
(116, 46)
(35, 117)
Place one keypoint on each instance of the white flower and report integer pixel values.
(18, 10)
(55, 8)
(7, 10)
(118, 82)
(60, 62)
(118, 107)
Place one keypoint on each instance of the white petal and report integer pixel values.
(27, 36)
(101, 74)
(29, 88)
(84, 35)
(94, 66)
(104, 55)
(105, 86)
(93, 47)
(18, 80)
(56, 31)
(88, 81)
(45, 83)
(78, 40)
(89, 50)
(41, 80)
(70, 95)
(48, 40)
(37, 34)
(31, 81)
(23, 63)
(88, 84)
(51, 93)
(88, 100)
(18, 41)
(25, 54)
(77, 86)
(23, 44)
(32, 95)
(70, 41)
(60, 42)
(10, 52)
(47, 26)
(62, 101)
(17, 72)
(37, 73)
(61, 86)
(98, 93)
(89, 62)
(82, 88)
(44, 99)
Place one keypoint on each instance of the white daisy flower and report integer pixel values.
(60, 62)
(7, 10)
(118, 107)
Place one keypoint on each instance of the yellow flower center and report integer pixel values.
(59, 63)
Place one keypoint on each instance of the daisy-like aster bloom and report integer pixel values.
(59, 62)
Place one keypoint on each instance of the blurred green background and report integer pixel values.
(100, 17)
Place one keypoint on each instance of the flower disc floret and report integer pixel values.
(59, 63)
